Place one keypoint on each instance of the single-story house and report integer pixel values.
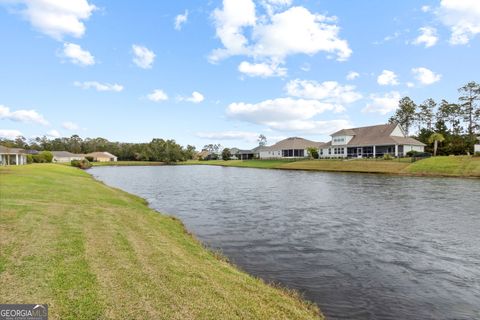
(372, 141)
(65, 156)
(293, 147)
(12, 156)
(246, 154)
(102, 156)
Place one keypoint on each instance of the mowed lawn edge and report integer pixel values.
(442, 166)
(95, 252)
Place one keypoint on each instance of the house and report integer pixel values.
(102, 156)
(247, 154)
(293, 147)
(372, 141)
(12, 156)
(65, 156)
(476, 148)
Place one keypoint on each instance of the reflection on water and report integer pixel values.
(360, 246)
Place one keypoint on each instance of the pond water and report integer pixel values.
(360, 246)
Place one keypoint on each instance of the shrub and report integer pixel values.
(89, 158)
(47, 156)
(476, 154)
(412, 153)
(29, 158)
(387, 157)
(39, 158)
(423, 155)
(82, 164)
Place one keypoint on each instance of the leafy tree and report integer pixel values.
(262, 140)
(405, 115)
(226, 154)
(470, 95)
(435, 139)
(425, 115)
(313, 153)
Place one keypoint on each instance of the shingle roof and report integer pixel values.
(294, 143)
(64, 154)
(4, 149)
(101, 154)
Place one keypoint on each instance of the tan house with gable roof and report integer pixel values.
(371, 141)
(293, 147)
(102, 156)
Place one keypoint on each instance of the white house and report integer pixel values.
(372, 141)
(65, 156)
(293, 147)
(12, 156)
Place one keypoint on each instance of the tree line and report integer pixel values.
(155, 150)
(451, 126)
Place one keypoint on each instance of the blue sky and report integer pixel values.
(226, 71)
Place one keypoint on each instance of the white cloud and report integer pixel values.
(428, 37)
(180, 20)
(426, 76)
(263, 70)
(229, 135)
(425, 8)
(196, 97)
(328, 91)
(99, 86)
(9, 134)
(383, 104)
(462, 17)
(77, 55)
(157, 95)
(410, 84)
(143, 57)
(352, 75)
(56, 19)
(53, 134)
(387, 78)
(293, 31)
(70, 126)
(28, 116)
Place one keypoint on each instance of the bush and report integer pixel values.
(29, 158)
(423, 155)
(38, 158)
(89, 159)
(476, 154)
(226, 154)
(82, 164)
(412, 153)
(387, 157)
(47, 155)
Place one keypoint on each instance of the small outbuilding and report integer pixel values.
(12, 156)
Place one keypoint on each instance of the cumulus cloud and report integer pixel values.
(27, 116)
(425, 8)
(196, 97)
(157, 96)
(53, 134)
(142, 56)
(328, 91)
(56, 19)
(426, 76)
(77, 55)
(383, 104)
(264, 70)
(462, 17)
(99, 86)
(387, 78)
(9, 133)
(352, 75)
(229, 135)
(428, 37)
(70, 126)
(295, 30)
(180, 20)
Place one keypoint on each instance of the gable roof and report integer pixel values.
(7, 150)
(376, 135)
(65, 154)
(294, 143)
(100, 154)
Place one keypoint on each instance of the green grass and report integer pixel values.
(95, 252)
(459, 166)
(127, 163)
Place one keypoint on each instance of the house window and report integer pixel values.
(321, 152)
(329, 150)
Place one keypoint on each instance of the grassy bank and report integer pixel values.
(94, 252)
(460, 166)
(127, 163)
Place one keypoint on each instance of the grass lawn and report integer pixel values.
(265, 164)
(461, 166)
(94, 252)
(373, 166)
(127, 163)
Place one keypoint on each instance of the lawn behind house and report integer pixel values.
(94, 252)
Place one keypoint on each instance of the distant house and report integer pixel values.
(102, 156)
(372, 141)
(65, 156)
(12, 156)
(247, 154)
(476, 148)
(293, 147)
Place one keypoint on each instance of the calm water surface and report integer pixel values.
(360, 246)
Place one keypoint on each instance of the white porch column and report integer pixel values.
(374, 151)
(16, 159)
(396, 150)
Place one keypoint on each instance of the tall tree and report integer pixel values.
(425, 114)
(405, 115)
(469, 98)
(262, 140)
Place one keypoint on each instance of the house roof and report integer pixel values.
(100, 154)
(376, 135)
(294, 143)
(64, 154)
(6, 150)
